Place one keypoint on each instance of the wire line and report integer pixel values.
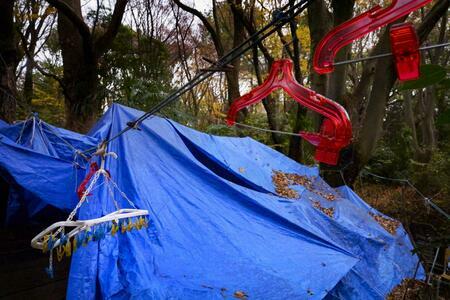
(427, 200)
(352, 61)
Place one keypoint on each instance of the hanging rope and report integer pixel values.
(75, 150)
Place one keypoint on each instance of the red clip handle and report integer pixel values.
(336, 130)
(82, 187)
(405, 47)
(357, 27)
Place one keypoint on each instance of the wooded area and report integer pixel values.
(69, 59)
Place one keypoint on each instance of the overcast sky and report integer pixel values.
(202, 4)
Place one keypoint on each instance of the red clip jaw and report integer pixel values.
(336, 130)
(405, 47)
(357, 27)
(329, 142)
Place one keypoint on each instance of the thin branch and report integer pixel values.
(39, 68)
(79, 23)
(104, 41)
(216, 40)
(249, 25)
(97, 12)
(76, 20)
(430, 20)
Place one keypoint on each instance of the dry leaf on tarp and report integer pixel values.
(389, 225)
(240, 295)
(328, 211)
(282, 182)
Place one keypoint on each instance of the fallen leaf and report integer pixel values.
(389, 225)
(240, 295)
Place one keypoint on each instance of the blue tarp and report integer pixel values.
(41, 169)
(217, 225)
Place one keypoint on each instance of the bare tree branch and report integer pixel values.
(77, 21)
(430, 20)
(104, 41)
(384, 79)
(39, 68)
(216, 40)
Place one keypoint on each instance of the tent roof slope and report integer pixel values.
(210, 237)
(218, 226)
(40, 163)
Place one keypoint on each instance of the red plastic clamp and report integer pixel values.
(336, 129)
(405, 47)
(357, 27)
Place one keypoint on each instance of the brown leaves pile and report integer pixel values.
(329, 197)
(411, 287)
(328, 211)
(389, 225)
(282, 181)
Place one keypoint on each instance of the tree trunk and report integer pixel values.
(8, 62)
(268, 103)
(342, 11)
(384, 78)
(82, 106)
(372, 125)
(28, 82)
(295, 143)
(320, 22)
(233, 75)
(333, 86)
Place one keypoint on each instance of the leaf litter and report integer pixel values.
(388, 224)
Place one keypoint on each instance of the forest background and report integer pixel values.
(68, 60)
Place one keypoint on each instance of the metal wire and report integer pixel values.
(428, 201)
(352, 61)
(266, 130)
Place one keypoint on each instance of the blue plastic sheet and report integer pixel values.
(217, 226)
(41, 169)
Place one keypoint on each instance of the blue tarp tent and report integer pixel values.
(217, 225)
(44, 159)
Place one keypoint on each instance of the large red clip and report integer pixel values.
(82, 187)
(336, 129)
(357, 27)
(405, 47)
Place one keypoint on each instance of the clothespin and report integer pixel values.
(60, 252)
(123, 228)
(114, 228)
(68, 249)
(130, 225)
(49, 271)
(74, 244)
(405, 47)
